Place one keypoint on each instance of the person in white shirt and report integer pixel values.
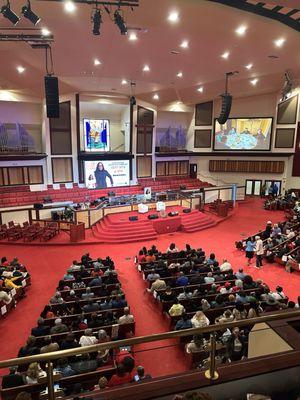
(87, 339)
(226, 266)
(209, 278)
(127, 318)
(172, 248)
(259, 251)
(199, 320)
(278, 294)
(5, 297)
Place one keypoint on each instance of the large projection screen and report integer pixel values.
(106, 174)
(243, 134)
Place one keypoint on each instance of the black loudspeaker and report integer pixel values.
(186, 210)
(52, 96)
(111, 194)
(152, 216)
(173, 213)
(54, 216)
(226, 107)
(38, 206)
(133, 218)
(182, 187)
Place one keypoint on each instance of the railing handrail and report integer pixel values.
(149, 338)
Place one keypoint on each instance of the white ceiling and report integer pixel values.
(209, 28)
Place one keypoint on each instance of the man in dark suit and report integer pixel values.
(13, 379)
(41, 329)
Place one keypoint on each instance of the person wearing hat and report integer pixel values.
(259, 251)
(58, 327)
(13, 379)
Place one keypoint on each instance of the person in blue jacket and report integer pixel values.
(100, 175)
(250, 246)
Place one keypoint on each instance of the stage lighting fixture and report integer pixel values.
(119, 20)
(97, 20)
(9, 14)
(29, 14)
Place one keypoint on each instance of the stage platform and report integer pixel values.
(117, 228)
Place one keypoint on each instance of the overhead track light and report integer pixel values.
(9, 14)
(29, 14)
(97, 20)
(119, 21)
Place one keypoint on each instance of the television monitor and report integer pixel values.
(96, 134)
(243, 134)
(106, 174)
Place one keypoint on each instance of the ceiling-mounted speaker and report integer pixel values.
(52, 96)
(226, 107)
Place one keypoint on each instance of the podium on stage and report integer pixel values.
(77, 232)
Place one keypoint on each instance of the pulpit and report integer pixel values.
(77, 232)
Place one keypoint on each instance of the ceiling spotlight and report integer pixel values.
(70, 6)
(119, 21)
(179, 75)
(124, 82)
(97, 62)
(241, 30)
(133, 36)
(225, 55)
(156, 97)
(200, 89)
(9, 14)
(20, 69)
(279, 42)
(45, 32)
(146, 68)
(29, 14)
(184, 44)
(96, 20)
(254, 81)
(173, 16)
(249, 66)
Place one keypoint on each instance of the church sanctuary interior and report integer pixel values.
(150, 200)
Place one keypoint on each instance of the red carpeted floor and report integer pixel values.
(48, 264)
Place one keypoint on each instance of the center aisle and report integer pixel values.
(48, 264)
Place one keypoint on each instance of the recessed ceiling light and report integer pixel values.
(45, 32)
(124, 82)
(225, 55)
(156, 97)
(179, 74)
(132, 36)
(200, 89)
(70, 6)
(254, 81)
(241, 30)
(173, 16)
(97, 62)
(184, 44)
(20, 69)
(146, 68)
(249, 66)
(279, 42)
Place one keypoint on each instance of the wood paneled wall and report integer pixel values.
(273, 167)
(172, 168)
(25, 175)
